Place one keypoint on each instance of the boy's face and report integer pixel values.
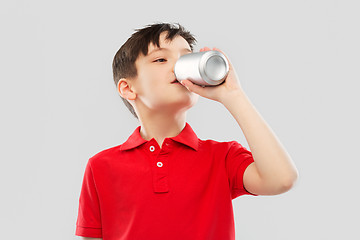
(155, 85)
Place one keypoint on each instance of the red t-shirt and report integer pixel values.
(184, 190)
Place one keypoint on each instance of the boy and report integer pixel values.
(164, 182)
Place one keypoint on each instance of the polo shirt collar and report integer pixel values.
(187, 137)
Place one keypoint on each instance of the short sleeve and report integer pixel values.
(89, 219)
(238, 159)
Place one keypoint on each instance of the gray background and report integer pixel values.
(298, 61)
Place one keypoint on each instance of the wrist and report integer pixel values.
(232, 96)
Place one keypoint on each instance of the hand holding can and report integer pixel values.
(208, 68)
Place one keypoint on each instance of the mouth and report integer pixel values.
(175, 81)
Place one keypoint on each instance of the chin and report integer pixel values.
(194, 100)
(180, 103)
(194, 97)
(190, 101)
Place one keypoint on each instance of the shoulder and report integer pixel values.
(218, 145)
(105, 155)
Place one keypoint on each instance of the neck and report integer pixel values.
(160, 126)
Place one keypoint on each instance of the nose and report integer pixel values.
(175, 59)
(174, 63)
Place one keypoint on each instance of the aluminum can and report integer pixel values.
(207, 68)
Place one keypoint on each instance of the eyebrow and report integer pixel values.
(167, 50)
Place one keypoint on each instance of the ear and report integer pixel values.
(125, 89)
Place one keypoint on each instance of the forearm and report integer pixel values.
(272, 161)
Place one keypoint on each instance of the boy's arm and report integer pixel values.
(273, 171)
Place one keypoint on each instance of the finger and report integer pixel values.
(217, 49)
(193, 87)
(205, 49)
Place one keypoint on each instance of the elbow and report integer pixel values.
(286, 186)
(289, 182)
(279, 185)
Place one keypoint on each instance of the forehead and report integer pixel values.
(176, 43)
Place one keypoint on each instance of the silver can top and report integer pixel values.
(214, 67)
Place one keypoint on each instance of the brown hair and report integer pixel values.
(124, 60)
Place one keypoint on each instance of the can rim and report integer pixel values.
(202, 64)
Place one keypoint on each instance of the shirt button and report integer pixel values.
(152, 148)
(159, 164)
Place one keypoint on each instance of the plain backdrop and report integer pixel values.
(298, 61)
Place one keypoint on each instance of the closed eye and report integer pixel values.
(160, 60)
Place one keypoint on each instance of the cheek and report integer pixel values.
(152, 87)
(150, 91)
